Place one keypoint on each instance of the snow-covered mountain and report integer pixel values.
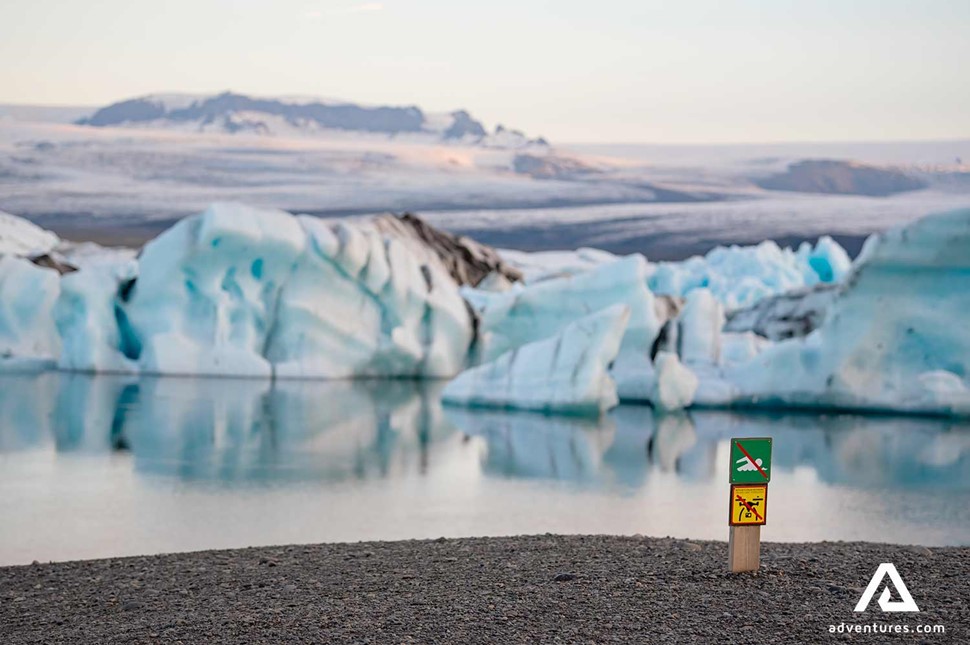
(231, 113)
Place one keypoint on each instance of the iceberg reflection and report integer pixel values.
(232, 430)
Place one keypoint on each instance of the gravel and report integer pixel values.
(555, 589)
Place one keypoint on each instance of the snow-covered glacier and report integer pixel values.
(240, 291)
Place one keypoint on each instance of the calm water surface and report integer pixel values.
(107, 466)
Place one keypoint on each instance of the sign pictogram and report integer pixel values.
(750, 461)
(749, 505)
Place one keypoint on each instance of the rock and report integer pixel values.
(794, 314)
(48, 261)
(468, 261)
(564, 577)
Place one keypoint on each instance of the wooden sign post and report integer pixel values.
(750, 472)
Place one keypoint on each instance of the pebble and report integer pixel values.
(478, 590)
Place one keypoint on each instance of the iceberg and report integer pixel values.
(792, 314)
(568, 372)
(541, 265)
(95, 333)
(250, 292)
(699, 331)
(28, 337)
(525, 314)
(23, 238)
(740, 276)
(675, 385)
(208, 289)
(894, 337)
(360, 303)
(239, 291)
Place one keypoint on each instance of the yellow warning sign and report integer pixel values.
(749, 504)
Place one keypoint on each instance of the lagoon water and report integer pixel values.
(98, 466)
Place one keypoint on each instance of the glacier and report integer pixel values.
(243, 291)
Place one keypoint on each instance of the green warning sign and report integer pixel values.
(750, 460)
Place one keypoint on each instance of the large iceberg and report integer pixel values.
(567, 372)
(360, 303)
(894, 337)
(532, 312)
(249, 292)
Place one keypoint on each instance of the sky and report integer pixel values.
(618, 71)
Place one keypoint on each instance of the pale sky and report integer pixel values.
(695, 71)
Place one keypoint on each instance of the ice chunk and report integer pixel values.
(568, 372)
(675, 384)
(701, 322)
(27, 297)
(94, 328)
(248, 292)
(525, 314)
(494, 282)
(208, 289)
(792, 314)
(362, 304)
(740, 347)
(542, 265)
(740, 276)
(827, 260)
(894, 339)
(21, 237)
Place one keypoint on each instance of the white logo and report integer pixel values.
(905, 602)
(746, 464)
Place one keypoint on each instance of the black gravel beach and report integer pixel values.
(557, 589)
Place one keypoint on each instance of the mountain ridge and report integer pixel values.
(231, 112)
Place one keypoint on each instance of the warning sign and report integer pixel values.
(749, 504)
(750, 460)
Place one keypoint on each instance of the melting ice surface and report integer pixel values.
(97, 466)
